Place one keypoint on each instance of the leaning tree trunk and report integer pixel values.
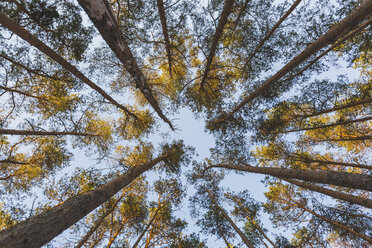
(337, 195)
(146, 229)
(41, 133)
(349, 180)
(227, 217)
(101, 15)
(42, 47)
(42, 228)
(228, 4)
(343, 27)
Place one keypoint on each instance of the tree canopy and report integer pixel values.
(92, 152)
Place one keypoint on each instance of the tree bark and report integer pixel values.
(35, 42)
(335, 194)
(42, 228)
(100, 14)
(327, 125)
(348, 180)
(163, 20)
(309, 160)
(276, 26)
(227, 217)
(338, 30)
(217, 35)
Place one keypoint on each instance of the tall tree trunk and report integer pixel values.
(98, 223)
(163, 20)
(228, 4)
(335, 194)
(227, 217)
(145, 230)
(367, 100)
(224, 238)
(343, 27)
(334, 223)
(40, 133)
(255, 224)
(310, 160)
(327, 125)
(276, 26)
(349, 180)
(116, 234)
(100, 14)
(42, 228)
(35, 42)
(364, 137)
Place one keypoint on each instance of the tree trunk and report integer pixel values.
(98, 223)
(309, 160)
(163, 20)
(338, 30)
(276, 26)
(335, 194)
(327, 125)
(364, 137)
(145, 230)
(100, 14)
(348, 180)
(335, 223)
(339, 107)
(227, 217)
(35, 42)
(42, 228)
(228, 4)
(40, 133)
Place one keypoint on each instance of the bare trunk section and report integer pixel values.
(42, 228)
(145, 230)
(339, 107)
(348, 180)
(327, 125)
(361, 138)
(227, 217)
(163, 20)
(309, 160)
(335, 223)
(343, 27)
(338, 195)
(98, 223)
(40, 133)
(276, 26)
(217, 35)
(100, 14)
(35, 42)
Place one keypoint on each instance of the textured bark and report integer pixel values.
(163, 20)
(145, 230)
(364, 137)
(335, 223)
(217, 35)
(98, 223)
(343, 27)
(339, 107)
(100, 14)
(327, 125)
(227, 217)
(35, 42)
(42, 228)
(349, 180)
(335, 194)
(40, 133)
(276, 26)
